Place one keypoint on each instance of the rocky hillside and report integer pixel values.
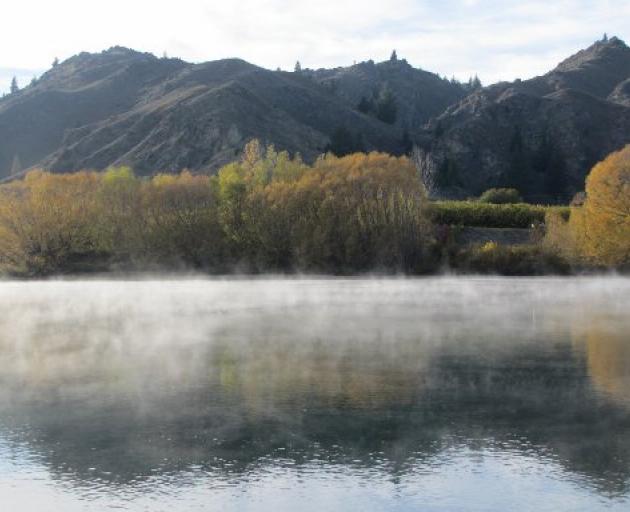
(541, 135)
(125, 107)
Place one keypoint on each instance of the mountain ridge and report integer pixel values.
(123, 107)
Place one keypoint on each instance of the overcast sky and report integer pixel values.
(499, 40)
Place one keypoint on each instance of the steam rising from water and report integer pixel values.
(136, 385)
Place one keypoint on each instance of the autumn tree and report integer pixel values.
(47, 222)
(372, 213)
(122, 229)
(607, 210)
(342, 214)
(267, 211)
(181, 221)
(598, 233)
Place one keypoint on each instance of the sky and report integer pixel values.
(498, 40)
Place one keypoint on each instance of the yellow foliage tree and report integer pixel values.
(47, 220)
(181, 221)
(606, 229)
(598, 233)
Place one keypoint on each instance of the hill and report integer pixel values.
(126, 107)
(541, 136)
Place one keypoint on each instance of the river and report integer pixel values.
(272, 394)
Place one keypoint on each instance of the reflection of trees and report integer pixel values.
(355, 375)
(230, 408)
(608, 356)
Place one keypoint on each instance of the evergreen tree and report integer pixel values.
(343, 142)
(550, 170)
(605, 38)
(473, 83)
(406, 143)
(298, 67)
(55, 62)
(394, 56)
(439, 130)
(516, 173)
(14, 86)
(386, 109)
(365, 106)
(447, 174)
(557, 183)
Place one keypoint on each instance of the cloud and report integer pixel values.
(499, 40)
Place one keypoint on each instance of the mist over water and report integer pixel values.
(315, 394)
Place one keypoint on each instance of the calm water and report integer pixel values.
(315, 395)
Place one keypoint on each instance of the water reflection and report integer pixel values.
(110, 386)
(608, 356)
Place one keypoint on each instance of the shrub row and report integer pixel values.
(477, 214)
(517, 260)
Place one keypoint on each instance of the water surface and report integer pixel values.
(315, 395)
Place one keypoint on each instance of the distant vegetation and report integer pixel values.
(478, 214)
(501, 196)
(511, 260)
(381, 105)
(270, 212)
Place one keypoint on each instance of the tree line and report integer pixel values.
(266, 212)
(271, 212)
